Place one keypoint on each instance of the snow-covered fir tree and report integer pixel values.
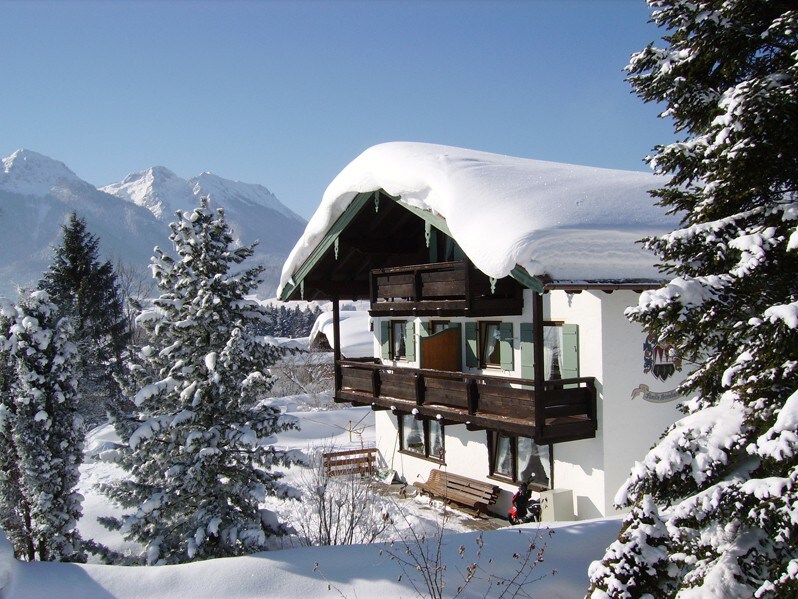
(723, 481)
(88, 292)
(197, 448)
(289, 322)
(40, 432)
(14, 508)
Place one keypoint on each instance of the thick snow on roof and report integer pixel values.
(561, 220)
(356, 339)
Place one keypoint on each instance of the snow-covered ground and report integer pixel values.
(356, 571)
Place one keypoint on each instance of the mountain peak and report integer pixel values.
(216, 188)
(158, 189)
(154, 173)
(29, 173)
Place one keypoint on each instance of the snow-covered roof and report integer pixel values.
(559, 220)
(356, 339)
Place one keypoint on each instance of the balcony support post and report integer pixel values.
(375, 382)
(537, 336)
(473, 397)
(337, 341)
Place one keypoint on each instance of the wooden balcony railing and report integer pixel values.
(562, 410)
(441, 285)
(442, 288)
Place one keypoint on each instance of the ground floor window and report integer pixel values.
(519, 458)
(422, 437)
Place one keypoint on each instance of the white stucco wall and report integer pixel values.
(630, 426)
(611, 350)
(579, 465)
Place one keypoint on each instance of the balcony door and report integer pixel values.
(441, 351)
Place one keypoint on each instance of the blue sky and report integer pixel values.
(287, 93)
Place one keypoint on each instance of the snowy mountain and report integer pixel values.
(253, 212)
(30, 173)
(37, 194)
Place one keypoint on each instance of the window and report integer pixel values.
(436, 326)
(560, 351)
(421, 437)
(397, 340)
(489, 344)
(518, 458)
(552, 352)
(397, 343)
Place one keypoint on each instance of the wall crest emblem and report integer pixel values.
(660, 359)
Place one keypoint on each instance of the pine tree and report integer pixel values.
(88, 292)
(14, 508)
(725, 477)
(197, 448)
(41, 435)
(637, 565)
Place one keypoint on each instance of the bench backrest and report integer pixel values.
(353, 461)
(462, 485)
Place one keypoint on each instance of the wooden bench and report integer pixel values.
(459, 489)
(352, 461)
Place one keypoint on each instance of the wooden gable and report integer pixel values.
(376, 232)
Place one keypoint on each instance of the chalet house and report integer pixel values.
(497, 290)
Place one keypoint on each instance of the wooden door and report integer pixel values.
(441, 351)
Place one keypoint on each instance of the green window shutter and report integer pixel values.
(385, 339)
(570, 351)
(527, 351)
(423, 329)
(410, 341)
(472, 356)
(506, 345)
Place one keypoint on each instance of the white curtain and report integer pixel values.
(533, 460)
(552, 346)
(435, 439)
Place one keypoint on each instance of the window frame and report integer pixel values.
(392, 324)
(439, 458)
(482, 340)
(513, 477)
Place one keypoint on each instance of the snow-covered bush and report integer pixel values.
(197, 446)
(339, 510)
(306, 373)
(725, 477)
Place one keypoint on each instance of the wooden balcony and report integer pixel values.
(441, 289)
(562, 410)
